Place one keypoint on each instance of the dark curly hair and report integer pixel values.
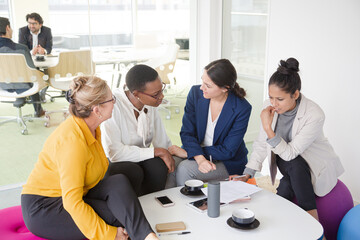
(35, 16)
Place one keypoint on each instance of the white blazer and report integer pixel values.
(309, 142)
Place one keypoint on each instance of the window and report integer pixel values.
(4, 8)
(115, 22)
(244, 44)
(110, 23)
(166, 19)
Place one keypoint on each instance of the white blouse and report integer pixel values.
(126, 138)
(210, 128)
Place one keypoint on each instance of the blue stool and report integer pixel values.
(349, 227)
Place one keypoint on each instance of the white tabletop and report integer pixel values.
(279, 218)
(50, 61)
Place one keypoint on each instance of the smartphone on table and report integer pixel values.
(165, 201)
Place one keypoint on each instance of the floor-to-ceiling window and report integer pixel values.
(111, 25)
(4, 8)
(244, 43)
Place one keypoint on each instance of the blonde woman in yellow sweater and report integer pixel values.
(66, 195)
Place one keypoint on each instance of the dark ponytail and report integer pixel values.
(286, 76)
(238, 91)
(223, 74)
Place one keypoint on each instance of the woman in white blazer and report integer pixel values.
(292, 137)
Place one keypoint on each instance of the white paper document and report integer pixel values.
(233, 190)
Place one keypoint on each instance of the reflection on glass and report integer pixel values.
(244, 44)
(249, 41)
(249, 6)
(247, 35)
(164, 19)
(110, 21)
(4, 8)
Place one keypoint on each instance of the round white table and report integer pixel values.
(279, 218)
(50, 61)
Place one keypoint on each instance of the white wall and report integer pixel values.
(324, 35)
(19, 10)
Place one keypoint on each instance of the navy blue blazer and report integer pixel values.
(228, 143)
(45, 38)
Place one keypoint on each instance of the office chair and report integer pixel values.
(13, 69)
(70, 65)
(164, 65)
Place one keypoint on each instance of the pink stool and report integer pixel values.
(332, 208)
(12, 226)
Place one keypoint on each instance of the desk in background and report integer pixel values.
(119, 58)
(279, 218)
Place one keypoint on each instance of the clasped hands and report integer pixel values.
(38, 50)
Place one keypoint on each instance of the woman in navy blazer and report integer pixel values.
(214, 124)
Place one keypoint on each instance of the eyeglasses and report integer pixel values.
(113, 100)
(156, 96)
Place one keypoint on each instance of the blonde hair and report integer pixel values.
(86, 92)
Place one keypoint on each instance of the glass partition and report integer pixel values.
(244, 44)
(4, 8)
(113, 30)
(110, 23)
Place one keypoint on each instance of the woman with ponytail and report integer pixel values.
(66, 195)
(292, 138)
(214, 124)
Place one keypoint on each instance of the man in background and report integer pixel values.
(35, 36)
(8, 46)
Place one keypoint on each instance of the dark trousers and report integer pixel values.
(22, 87)
(146, 176)
(296, 182)
(113, 199)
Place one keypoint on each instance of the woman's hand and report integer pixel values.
(177, 151)
(166, 157)
(121, 234)
(239, 178)
(267, 116)
(205, 166)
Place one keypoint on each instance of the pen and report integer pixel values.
(210, 158)
(236, 177)
(178, 233)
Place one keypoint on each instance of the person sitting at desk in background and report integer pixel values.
(66, 195)
(35, 36)
(8, 46)
(214, 124)
(292, 138)
(134, 126)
